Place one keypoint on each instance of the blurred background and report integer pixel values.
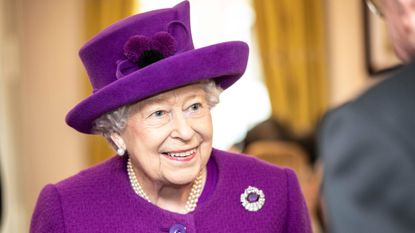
(306, 56)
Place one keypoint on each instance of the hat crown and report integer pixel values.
(103, 52)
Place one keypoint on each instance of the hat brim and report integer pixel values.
(225, 63)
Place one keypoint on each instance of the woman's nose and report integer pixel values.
(181, 128)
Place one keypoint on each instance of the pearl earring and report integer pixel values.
(120, 151)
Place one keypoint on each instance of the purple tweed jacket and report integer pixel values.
(100, 199)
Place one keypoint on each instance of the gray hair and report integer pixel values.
(116, 121)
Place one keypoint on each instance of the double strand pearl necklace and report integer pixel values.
(191, 200)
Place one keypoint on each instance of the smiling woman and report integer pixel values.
(152, 100)
(169, 141)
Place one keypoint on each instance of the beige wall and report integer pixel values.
(347, 73)
(37, 147)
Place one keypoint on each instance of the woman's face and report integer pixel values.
(169, 136)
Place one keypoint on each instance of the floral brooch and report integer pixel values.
(252, 199)
(143, 50)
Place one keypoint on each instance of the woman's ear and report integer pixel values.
(119, 143)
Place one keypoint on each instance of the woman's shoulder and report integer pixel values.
(75, 196)
(240, 175)
(242, 168)
(230, 160)
(105, 172)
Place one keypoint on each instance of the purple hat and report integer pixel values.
(146, 54)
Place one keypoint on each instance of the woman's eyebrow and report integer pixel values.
(164, 98)
(193, 96)
(154, 100)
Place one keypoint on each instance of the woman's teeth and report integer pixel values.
(181, 154)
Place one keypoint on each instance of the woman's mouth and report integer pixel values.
(184, 155)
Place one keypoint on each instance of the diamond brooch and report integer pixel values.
(252, 199)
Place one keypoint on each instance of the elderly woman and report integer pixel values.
(152, 98)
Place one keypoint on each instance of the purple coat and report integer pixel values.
(100, 199)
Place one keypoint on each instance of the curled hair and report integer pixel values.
(111, 122)
(212, 92)
(116, 121)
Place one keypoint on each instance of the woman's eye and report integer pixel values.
(157, 118)
(195, 107)
(158, 114)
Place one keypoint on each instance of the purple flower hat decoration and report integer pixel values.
(143, 51)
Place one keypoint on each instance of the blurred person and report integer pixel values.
(368, 144)
(270, 129)
(152, 98)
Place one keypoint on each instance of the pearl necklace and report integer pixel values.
(191, 200)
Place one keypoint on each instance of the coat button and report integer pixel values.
(177, 228)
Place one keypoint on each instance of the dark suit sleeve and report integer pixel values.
(298, 220)
(369, 175)
(47, 216)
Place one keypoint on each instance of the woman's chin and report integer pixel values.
(183, 177)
